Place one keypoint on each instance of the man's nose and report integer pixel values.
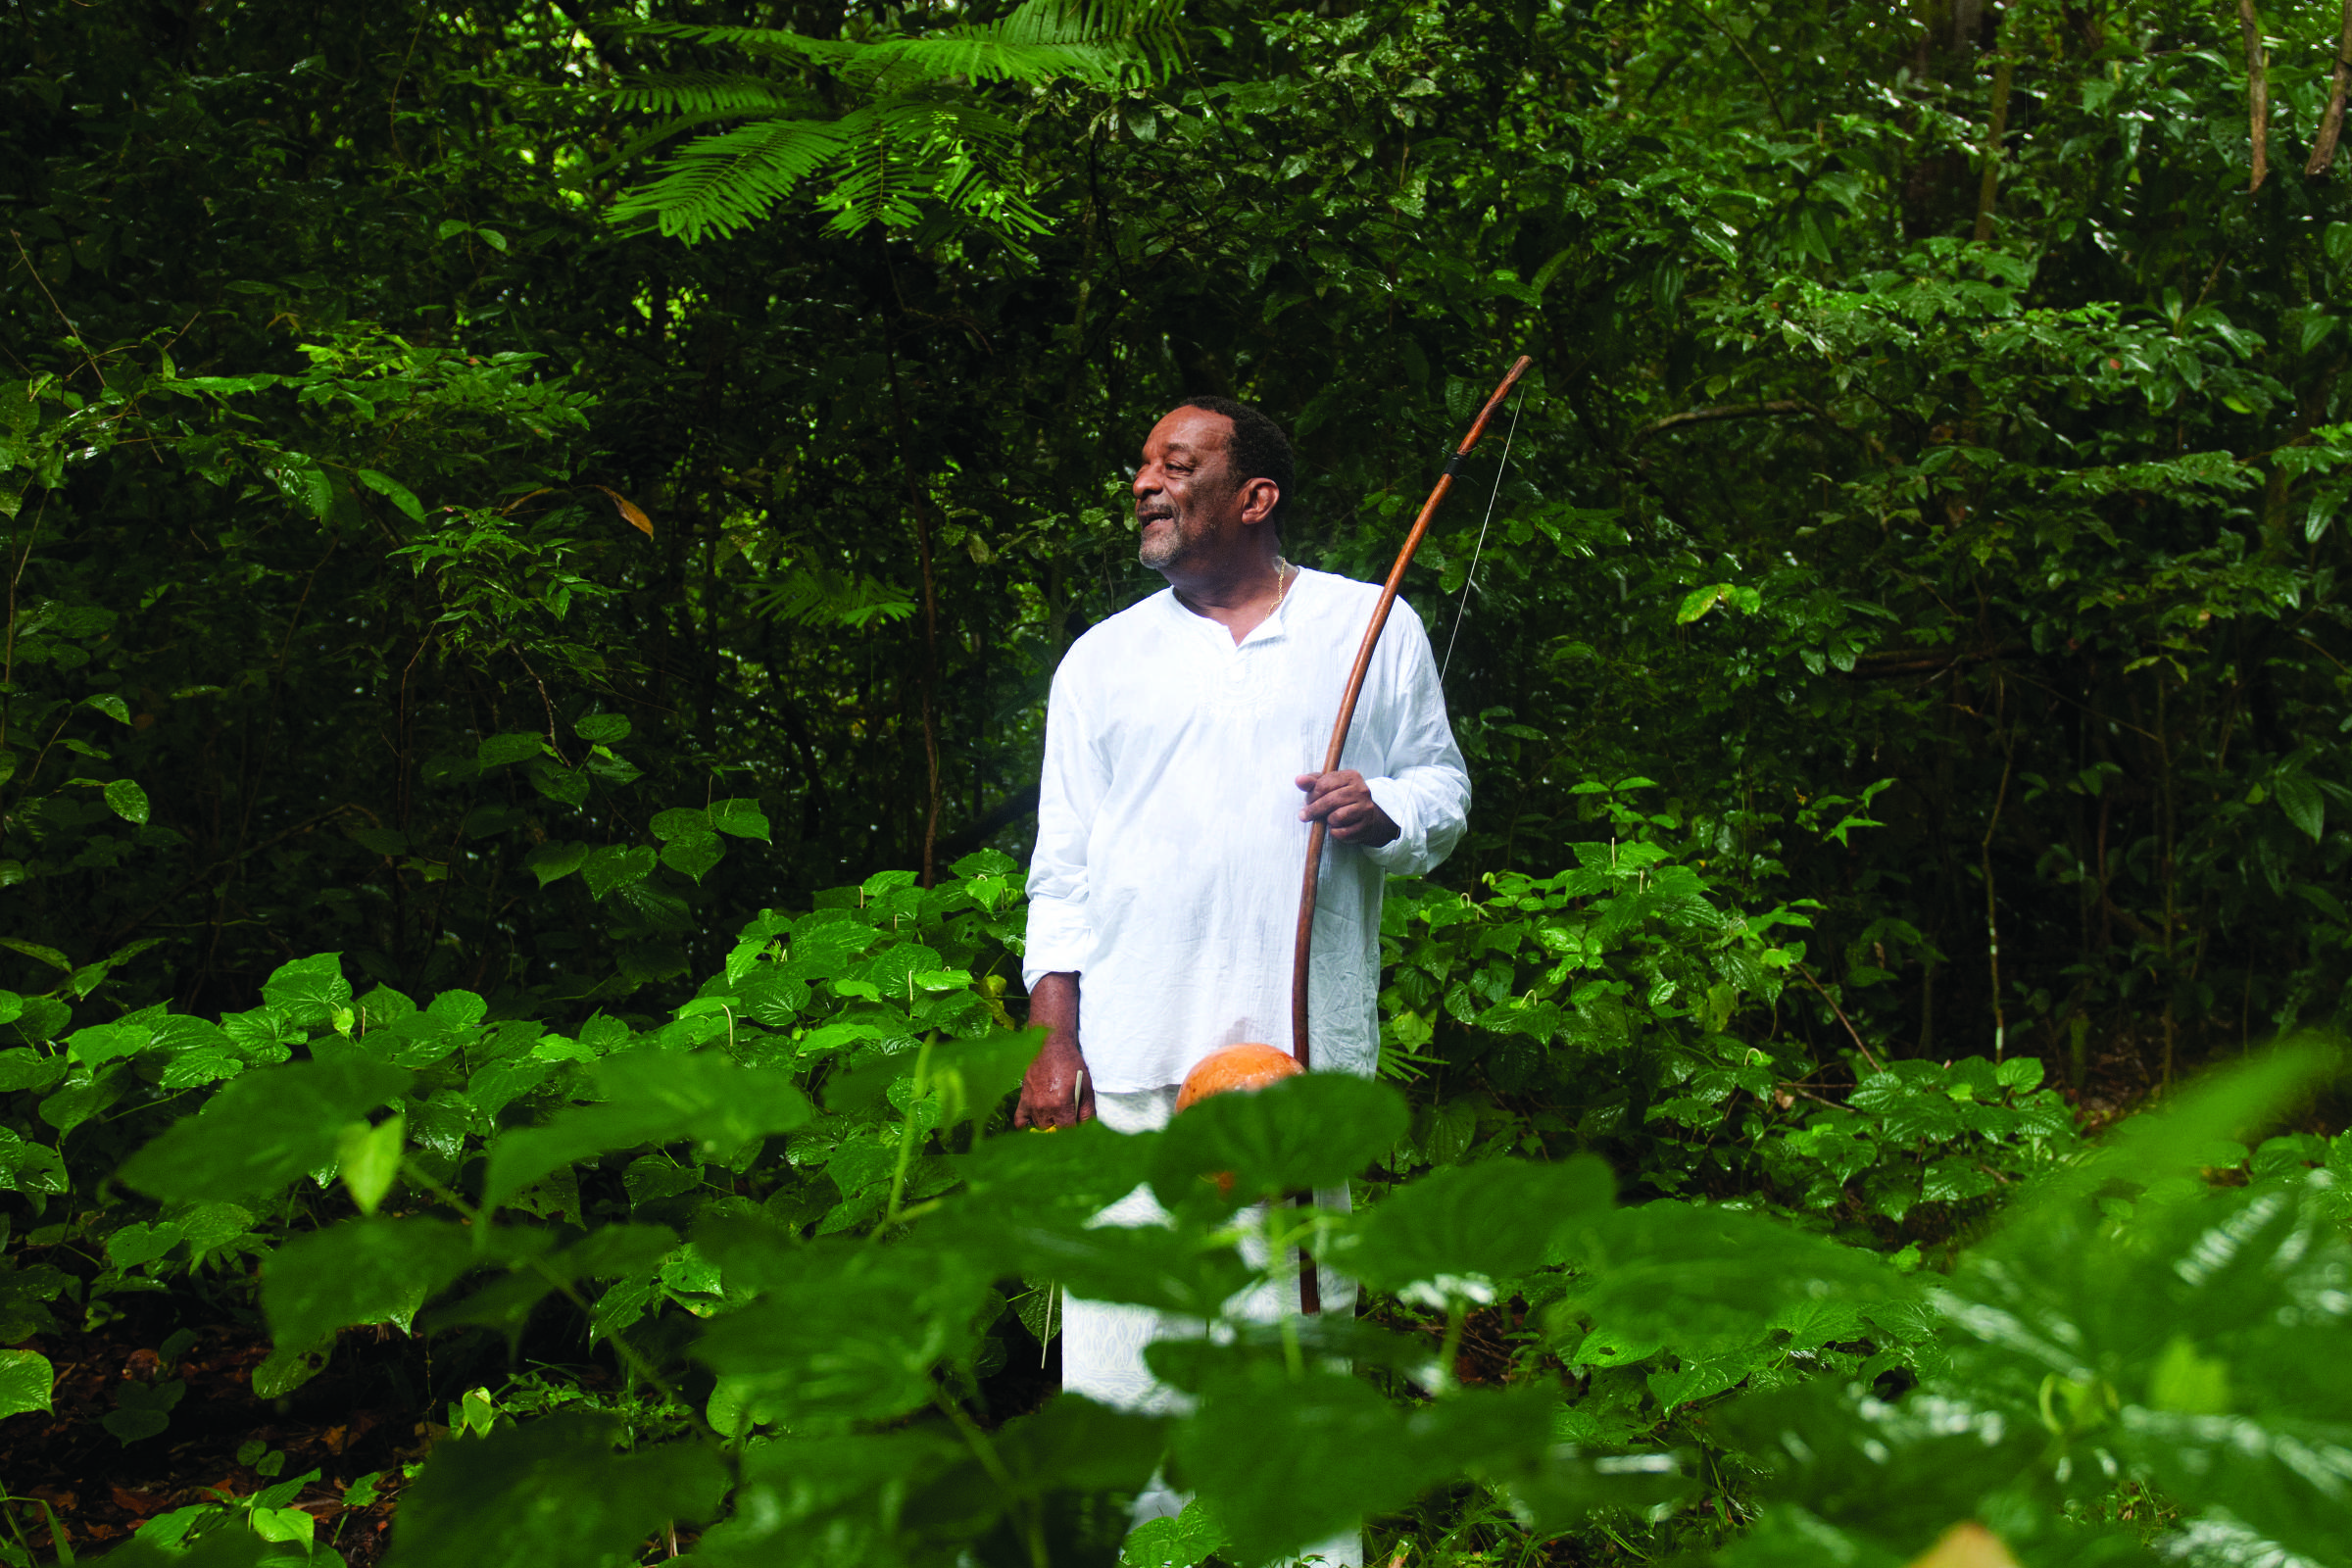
(1146, 483)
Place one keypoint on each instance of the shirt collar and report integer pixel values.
(1273, 627)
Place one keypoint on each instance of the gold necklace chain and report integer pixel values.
(1284, 575)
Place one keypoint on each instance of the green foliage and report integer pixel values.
(839, 1278)
(1903, 675)
(916, 146)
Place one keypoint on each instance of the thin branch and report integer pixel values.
(1771, 99)
(1994, 133)
(1780, 408)
(41, 283)
(1874, 1062)
(1992, 923)
(2331, 122)
(2258, 93)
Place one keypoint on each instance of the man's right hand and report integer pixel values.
(1056, 1091)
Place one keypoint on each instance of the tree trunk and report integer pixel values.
(2331, 123)
(2258, 92)
(1992, 147)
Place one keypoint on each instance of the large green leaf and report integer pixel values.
(1285, 1459)
(1182, 1269)
(852, 1331)
(1463, 1228)
(834, 1500)
(310, 989)
(262, 1130)
(1711, 1278)
(26, 1378)
(362, 1271)
(1314, 1130)
(651, 1098)
(551, 1490)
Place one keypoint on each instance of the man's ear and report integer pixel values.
(1259, 498)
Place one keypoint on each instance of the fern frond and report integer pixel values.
(920, 147)
(819, 597)
(753, 40)
(1149, 28)
(712, 92)
(720, 183)
(978, 55)
(949, 155)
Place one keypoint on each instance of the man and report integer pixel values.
(1173, 817)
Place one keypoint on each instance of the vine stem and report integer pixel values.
(1457, 1317)
(1992, 919)
(1875, 1064)
(906, 1132)
(1033, 1530)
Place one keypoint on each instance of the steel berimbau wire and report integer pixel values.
(1309, 1297)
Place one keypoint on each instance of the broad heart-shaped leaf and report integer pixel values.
(1071, 1173)
(832, 1500)
(262, 1130)
(1175, 1269)
(499, 751)
(1878, 1482)
(1185, 1540)
(853, 1332)
(616, 865)
(601, 729)
(680, 822)
(742, 819)
(1284, 1461)
(919, 1495)
(555, 859)
(1071, 1451)
(1704, 1280)
(1465, 1224)
(368, 1158)
(26, 1378)
(506, 1305)
(1076, 1444)
(1317, 1129)
(551, 1490)
(23, 1067)
(653, 1097)
(692, 855)
(2202, 1345)
(361, 1271)
(309, 990)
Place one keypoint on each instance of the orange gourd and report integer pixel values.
(1235, 1068)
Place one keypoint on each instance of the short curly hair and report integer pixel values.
(1259, 450)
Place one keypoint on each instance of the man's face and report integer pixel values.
(1186, 502)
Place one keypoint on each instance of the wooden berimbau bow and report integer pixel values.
(1309, 1298)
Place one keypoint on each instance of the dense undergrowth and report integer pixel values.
(787, 1224)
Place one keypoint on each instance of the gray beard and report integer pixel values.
(1164, 553)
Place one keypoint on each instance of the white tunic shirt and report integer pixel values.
(1169, 847)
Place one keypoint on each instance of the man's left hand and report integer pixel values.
(1342, 798)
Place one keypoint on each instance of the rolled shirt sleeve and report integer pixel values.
(1425, 789)
(1061, 937)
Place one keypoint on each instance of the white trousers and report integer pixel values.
(1103, 1343)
